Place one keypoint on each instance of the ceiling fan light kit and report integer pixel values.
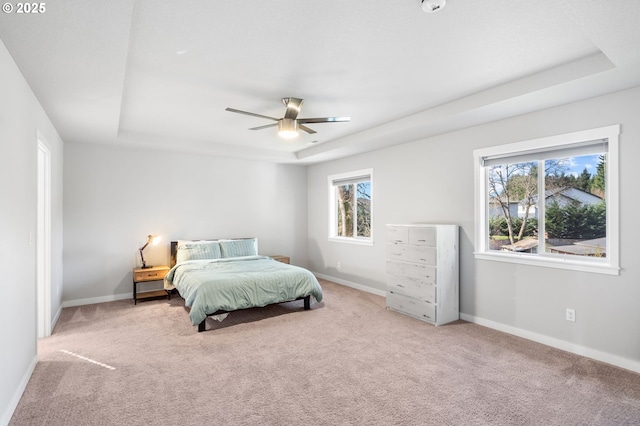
(288, 128)
(431, 6)
(289, 125)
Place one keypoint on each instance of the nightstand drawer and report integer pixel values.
(150, 274)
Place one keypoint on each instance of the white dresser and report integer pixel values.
(422, 271)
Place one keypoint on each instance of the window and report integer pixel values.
(350, 197)
(550, 201)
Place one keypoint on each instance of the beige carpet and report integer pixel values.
(347, 361)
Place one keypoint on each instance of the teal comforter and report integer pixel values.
(229, 284)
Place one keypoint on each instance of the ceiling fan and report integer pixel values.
(288, 125)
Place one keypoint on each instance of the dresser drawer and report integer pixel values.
(413, 271)
(412, 288)
(414, 307)
(397, 234)
(423, 236)
(407, 253)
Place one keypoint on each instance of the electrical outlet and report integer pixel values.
(339, 265)
(571, 315)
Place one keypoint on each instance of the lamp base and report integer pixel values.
(146, 267)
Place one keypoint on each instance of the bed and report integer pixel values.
(215, 277)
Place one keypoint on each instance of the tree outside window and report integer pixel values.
(350, 195)
(354, 210)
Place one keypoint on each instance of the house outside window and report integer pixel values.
(350, 207)
(550, 201)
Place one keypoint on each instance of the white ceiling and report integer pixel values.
(150, 73)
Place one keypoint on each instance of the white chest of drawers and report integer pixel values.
(423, 272)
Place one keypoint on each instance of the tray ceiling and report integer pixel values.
(160, 74)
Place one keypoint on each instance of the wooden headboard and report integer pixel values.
(174, 250)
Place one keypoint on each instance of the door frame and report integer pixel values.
(43, 239)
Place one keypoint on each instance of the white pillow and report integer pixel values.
(236, 248)
(197, 250)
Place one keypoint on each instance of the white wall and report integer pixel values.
(432, 181)
(116, 196)
(21, 117)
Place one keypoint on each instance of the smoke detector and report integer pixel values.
(431, 6)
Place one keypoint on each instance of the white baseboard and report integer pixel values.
(351, 284)
(13, 403)
(55, 319)
(92, 300)
(608, 358)
(111, 298)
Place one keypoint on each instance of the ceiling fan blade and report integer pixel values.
(293, 107)
(250, 113)
(306, 129)
(264, 127)
(324, 120)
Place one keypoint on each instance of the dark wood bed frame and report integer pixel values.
(202, 325)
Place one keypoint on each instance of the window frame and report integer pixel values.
(346, 176)
(609, 265)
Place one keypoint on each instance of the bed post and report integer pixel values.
(307, 303)
(202, 325)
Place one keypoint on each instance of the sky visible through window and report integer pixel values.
(577, 165)
(364, 188)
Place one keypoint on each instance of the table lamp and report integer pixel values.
(153, 239)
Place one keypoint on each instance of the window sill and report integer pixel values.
(548, 262)
(356, 241)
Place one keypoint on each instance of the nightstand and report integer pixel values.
(155, 273)
(281, 258)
